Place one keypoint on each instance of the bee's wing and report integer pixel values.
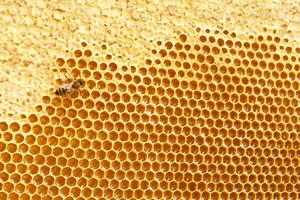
(67, 86)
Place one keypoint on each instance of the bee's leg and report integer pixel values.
(68, 79)
(71, 90)
(60, 78)
(66, 76)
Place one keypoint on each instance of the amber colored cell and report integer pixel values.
(86, 74)
(81, 63)
(183, 37)
(88, 53)
(77, 53)
(78, 103)
(7, 136)
(3, 126)
(50, 110)
(91, 84)
(14, 126)
(71, 62)
(92, 65)
(60, 61)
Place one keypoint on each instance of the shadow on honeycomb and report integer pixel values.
(210, 117)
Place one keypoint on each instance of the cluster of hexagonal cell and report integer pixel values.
(212, 119)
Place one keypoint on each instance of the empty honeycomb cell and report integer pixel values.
(82, 63)
(86, 74)
(71, 62)
(60, 61)
(77, 53)
(93, 66)
(88, 53)
(14, 126)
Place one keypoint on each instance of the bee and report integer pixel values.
(68, 88)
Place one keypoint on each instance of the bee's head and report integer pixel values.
(81, 82)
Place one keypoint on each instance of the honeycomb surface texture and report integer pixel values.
(183, 100)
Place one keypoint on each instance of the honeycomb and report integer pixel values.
(209, 114)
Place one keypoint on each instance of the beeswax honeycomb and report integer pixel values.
(209, 114)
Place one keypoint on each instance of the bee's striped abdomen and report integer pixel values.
(61, 91)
